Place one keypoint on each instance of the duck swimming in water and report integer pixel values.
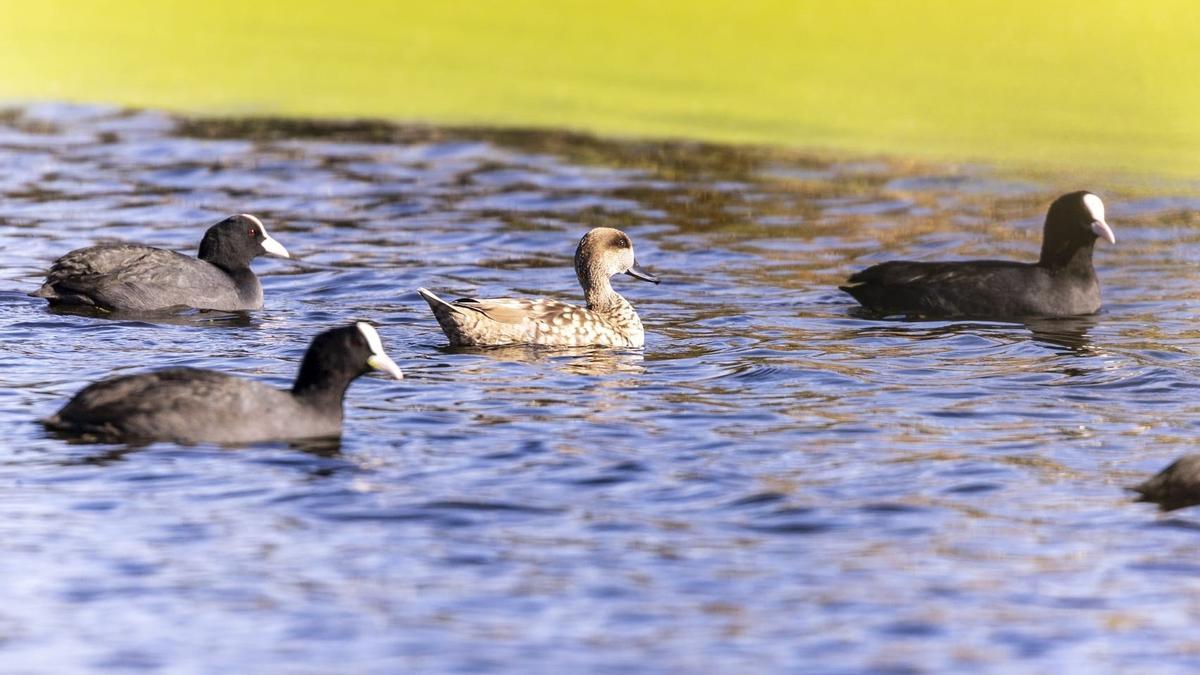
(608, 320)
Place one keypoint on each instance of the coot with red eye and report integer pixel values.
(136, 278)
(194, 405)
(1061, 283)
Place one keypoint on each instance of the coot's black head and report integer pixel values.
(232, 243)
(1073, 223)
(336, 357)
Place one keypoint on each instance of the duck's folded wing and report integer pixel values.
(515, 310)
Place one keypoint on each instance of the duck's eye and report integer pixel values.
(253, 232)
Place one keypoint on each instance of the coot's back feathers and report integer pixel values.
(135, 278)
(184, 404)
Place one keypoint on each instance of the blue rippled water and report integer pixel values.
(775, 483)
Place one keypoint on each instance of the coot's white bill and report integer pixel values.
(378, 359)
(269, 244)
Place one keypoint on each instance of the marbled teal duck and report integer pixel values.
(1061, 283)
(609, 320)
(136, 278)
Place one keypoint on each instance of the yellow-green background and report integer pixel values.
(1105, 84)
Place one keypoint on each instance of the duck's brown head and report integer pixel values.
(605, 252)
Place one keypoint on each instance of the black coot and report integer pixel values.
(134, 278)
(1061, 283)
(1175, 487)
(192, 405)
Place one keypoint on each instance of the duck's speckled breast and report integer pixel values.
(572, 326)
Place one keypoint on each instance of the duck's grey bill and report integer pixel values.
(639, 274)
(1103, 231)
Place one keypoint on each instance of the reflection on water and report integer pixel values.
(181, 317)
(776, 481)
(1068, 333)
(575, 360)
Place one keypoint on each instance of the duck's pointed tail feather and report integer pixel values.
(436, 303)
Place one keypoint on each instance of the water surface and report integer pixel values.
(775, 483)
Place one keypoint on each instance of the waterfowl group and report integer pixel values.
(194, 405)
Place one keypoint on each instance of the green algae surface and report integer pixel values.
(1097, 86)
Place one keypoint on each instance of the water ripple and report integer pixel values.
(776, 481)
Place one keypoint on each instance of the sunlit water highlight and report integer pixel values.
(776, 482)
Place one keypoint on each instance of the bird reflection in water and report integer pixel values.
(1067, 334)
(573, 360)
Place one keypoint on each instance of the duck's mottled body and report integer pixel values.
(608, 320)
(506, 321)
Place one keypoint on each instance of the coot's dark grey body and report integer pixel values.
(134, 278)
(194, 405)
(191, 404)
(1175, 487)
(1061, 283)
(976, 288)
